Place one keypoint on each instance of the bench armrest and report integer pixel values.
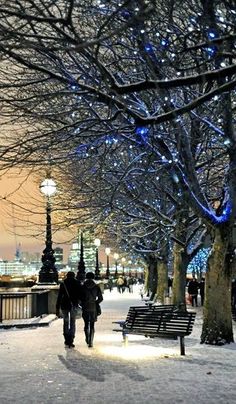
(120, 322)
(149, 303)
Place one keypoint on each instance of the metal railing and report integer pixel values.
(22, 305)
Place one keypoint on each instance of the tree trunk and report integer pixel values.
(217, 323)
(162, 286)
(152, 276)
(180, 263)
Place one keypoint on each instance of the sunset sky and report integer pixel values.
(17, 195)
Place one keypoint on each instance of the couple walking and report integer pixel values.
(71, 292)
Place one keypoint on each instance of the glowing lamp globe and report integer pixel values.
(97, 242)
(48, 187)
(107, 250)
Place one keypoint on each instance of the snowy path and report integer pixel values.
(36, 368)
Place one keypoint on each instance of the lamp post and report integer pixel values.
(97, 243)
(130, 272)
(123, 265)
(116, 256)
(107, 251)
(48, 272)
(81, 265)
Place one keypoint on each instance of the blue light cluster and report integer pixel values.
(142, 133)
(82, 150)
(199, 262)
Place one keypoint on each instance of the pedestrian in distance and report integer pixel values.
(110, 284)
(125, 285)
(120, 284)
(193, 291)
(130, 283)
(92, 296)
(233, 294)
(202, 290)
(69, 296)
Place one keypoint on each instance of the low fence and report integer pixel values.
(21, 305)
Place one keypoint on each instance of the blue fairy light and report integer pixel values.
(142, 134)
(126, 14)
(142, 130)
(148, 47)
(212, 34)
(164, 42)
(193, 20)
(211, 50)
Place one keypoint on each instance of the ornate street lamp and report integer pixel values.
(123, 265)
(81, 265)
(107, 251)
(97, 243)
(116, 256)
(48, 272)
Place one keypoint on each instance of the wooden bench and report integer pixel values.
(157, 321)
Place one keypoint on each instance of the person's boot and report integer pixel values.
(91, 335)
(70, 341)
(67, 342)
(86, 336)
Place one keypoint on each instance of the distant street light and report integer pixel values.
(107, 251)
(97, 243)
(116, 256)
(48, 272)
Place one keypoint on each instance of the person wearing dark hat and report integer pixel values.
(69, 295)
(91, 296)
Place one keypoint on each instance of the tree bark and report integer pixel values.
(152, 276)
(217, 322)
(162, 286)
(179, 282)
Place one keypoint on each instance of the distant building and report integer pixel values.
(73, 258)
(12, 268)
(89, 252)
(28, 257)
(58, 254)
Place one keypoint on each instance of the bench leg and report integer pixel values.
(125, 338)
(182, 347)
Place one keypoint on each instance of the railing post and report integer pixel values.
(41, 303)
(0, 308)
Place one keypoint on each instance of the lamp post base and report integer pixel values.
(48, 277)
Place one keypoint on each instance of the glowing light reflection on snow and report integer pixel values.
(136, 352)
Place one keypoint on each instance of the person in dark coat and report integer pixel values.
(233, 294)
(66, 303)
(202, 290)
(193, 290)
(91, 295)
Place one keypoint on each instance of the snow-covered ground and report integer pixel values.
(36, 368)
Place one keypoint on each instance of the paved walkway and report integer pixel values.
(36, 367)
